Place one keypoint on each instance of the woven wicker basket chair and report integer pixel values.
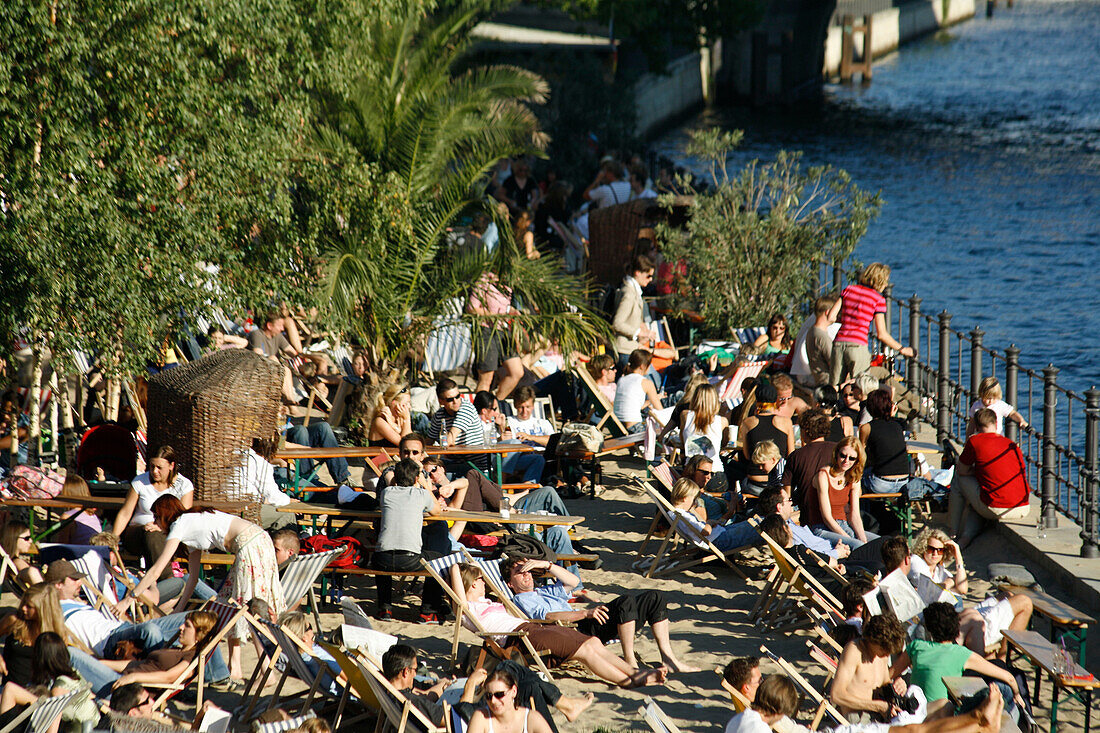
(209, 411)
(613, 232)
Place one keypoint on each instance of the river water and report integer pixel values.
(985, 143)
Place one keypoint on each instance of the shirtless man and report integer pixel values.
(865, 667)
(788, 404)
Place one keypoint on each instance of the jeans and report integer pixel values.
(94, 672)
(730, 536)
(319, 435)
(825, 533)
(873, 484)
(154, 634)
(529, 464)
(172, 587)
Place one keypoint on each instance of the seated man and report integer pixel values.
(400, 662)
(134, 701)
(744, 674)
(990, 481)
(779, 502)
(618, 619)
(456, 423)
(788, 403)
(529, 430)
(777, 529)
(815, 454)
(861, 687)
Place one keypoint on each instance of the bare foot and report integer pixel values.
(992, 710)
(647, 677)
(572, 707)
(679, 667)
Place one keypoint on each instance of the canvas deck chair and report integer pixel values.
(397, 710)
(439, 569)
(226, 615)
(603, 405)
(792, 596)
(828, 662)
(695, 549)
(729, 390)
(657, 720)
(300, 575)
(282, 726)
(823, 706)
(9, 575)
(97, 585)
(40, 716)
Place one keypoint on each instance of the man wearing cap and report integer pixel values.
(101, 634)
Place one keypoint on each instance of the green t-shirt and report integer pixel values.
(931, 662)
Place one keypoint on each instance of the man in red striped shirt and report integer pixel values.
(859, 304)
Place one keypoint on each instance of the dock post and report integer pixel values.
(913, 375)
(976, 337)
(1090, 546)
(943, 381)
(1012, 377)
(1048, 475)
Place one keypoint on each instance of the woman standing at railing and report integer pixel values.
(859, 304)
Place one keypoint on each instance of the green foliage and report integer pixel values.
(753, 239)
(427, 127)
(139, 138)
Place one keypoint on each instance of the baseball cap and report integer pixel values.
(58, 570)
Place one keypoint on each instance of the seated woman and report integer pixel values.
(298, 624)
(685, 502)
(52, 675)
(524, 237)
(562, 642)
(635, 392)
(832, 512)
(703, 429)
(164, 666)
(501, 711)
(883, 439)
(776, 340)
(86, 522)
(17, 543)
(828, 399)
(39, 611)
(982, 627)
(391, 416)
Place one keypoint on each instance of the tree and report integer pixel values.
(419, 130)
(752, 242)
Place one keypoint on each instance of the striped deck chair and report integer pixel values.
(824, 707)
(439, 569)
(729, 390)
(98, 586)
(300, 575)
(226, 615)
(656, 719)
(695, 550)
(749, 334)
(44, 712)
(282, 726)
(397, 709)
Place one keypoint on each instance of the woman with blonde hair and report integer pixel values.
(390, 417)
(39, 611)
(929, 555)
(703, 429)
(832, 511)
(855, 309)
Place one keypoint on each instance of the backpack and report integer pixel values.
(579, 436)
(351, 557)
(35, 483)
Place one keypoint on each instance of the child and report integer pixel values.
(989, 395)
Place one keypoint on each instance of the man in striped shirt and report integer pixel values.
(458, 422)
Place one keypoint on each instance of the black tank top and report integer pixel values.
(766, 430)
(886, 453)
(836, 430)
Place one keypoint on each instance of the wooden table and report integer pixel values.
(920, 446)
(1039, 652)
(1066, 622)
(964, 688)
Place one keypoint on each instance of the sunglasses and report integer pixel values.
(450, 399)
(844, 457)
(935, 550)
(499, 695)
(705, 473)
(24, 536)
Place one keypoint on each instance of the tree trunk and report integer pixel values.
(113, 394)
(34, 429)
(67, 442)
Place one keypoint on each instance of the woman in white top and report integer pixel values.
(635, 391)
(703, 430)
(134, 524)
(254, 573)
(503, 715)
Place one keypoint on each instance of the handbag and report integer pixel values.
(577, 436)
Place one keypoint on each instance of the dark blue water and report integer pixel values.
(985, 144)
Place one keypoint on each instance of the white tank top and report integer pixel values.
(630, 398)
(526, 715)
(707, 443)
(143, 487)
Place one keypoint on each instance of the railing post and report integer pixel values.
(1090, 546)
(975, 361)
(838, 277)
(913, 375)
(943, 380)
(887, 293)
(1012, 376)
(1048, 474)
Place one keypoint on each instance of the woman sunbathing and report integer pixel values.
(562, 642)
(164, 666)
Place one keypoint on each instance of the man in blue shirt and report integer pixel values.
(619, 618)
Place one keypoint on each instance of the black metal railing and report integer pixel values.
(1061, 440)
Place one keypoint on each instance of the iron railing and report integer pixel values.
(1061, 442)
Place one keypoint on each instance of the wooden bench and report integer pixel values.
(1065, 686)
(964, 688)
(1066, 622)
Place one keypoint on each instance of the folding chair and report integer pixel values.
(696, 548)
(45, 711)
(98, 585)
(226, 615)
(300, 575)
(599, 399)
(282, 726)
(790, 592)
(9, 573)
(656, 718)
(824, 707)
(827, 661)
(544, 409)
(440, 566)
(729, 390)
(397, 709)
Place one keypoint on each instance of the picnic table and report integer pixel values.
(1076, 683)
(964, 688)
(1066, 622)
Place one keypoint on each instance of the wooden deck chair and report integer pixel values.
(441, 567)
(282, 726)
(226, 615)
(827, 661)
(696, 549)
(544, 408)
(729, 390)
(656, 718)
(789, 592)
(357, 680)
(824, 707)
(98, 584)
(599, 399)
(742, 703)
(300, 575)
(397, 710)
(44, 712)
